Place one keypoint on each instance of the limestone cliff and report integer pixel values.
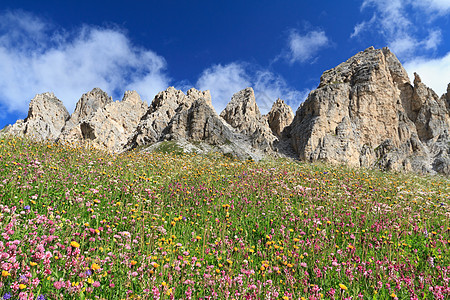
(46, 117)
(108, 127)
(161, 111)
(243, 114)
(366, 113)
(279, 117)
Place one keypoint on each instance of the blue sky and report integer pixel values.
(280, 48)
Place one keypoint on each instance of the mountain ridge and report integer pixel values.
(364, 113)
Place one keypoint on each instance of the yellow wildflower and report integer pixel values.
(5, 273)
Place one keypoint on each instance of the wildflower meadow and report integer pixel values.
(79, 223)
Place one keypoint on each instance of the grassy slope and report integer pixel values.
(79, 224)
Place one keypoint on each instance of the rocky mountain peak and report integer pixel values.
(198, 122)
(446, 97)
(365, 112)
(279, 117)
(89, 103)
(46, 117)
(367, 104)
(162, 109)
(417, 79)
(106, 124)
(396, 70)
(195, 94)
(242, 112)
(367, 65)
(169, 98)
(42, 102)
(131, 97)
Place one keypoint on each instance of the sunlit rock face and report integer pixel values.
(46, 117)
(367, 113)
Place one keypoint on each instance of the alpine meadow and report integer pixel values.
(225, 150)
(164, 225)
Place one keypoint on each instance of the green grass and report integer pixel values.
(170, 147)
(84, 224)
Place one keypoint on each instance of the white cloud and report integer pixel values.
(435, 73)
(35, 57)
(269, 87)
(225, 80)
(439, 7)
(433, 40)
(403, 45)
(359, 28)
(390, 20)
(305, 47)
(402, 24)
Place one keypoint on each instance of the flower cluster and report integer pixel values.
(79, 223)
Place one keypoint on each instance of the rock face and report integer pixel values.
(105, 124)
(365, 112)
(243, 114)
(158, 116)
(198, 122)
(194, 94)
(170, 104)
(88, 104)
(86, 107)
(172, 116)
(279, 117)
(196, 127)
(446, 96)
(191, 121)
(46, 117)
